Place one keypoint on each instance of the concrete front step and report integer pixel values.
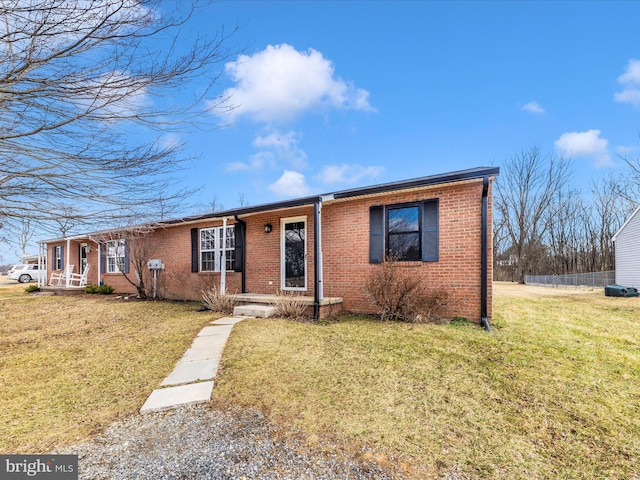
(258, 311)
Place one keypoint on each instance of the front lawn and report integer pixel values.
(554, 392)
(69, 366)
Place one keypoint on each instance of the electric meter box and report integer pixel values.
(155, 264)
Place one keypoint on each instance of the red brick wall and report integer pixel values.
(173, 246)
(345, 234)
(263, 250)
(345, 228)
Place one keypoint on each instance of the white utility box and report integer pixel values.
(155, 264)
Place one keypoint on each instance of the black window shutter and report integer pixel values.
(430, 237)
(62, 256)
(103, 257)
(126, 256)
(239, 231)
(376, 234)
(54, 262)
(194, 250)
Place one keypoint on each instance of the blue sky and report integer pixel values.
(334, 95)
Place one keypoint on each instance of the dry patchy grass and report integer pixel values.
(554, 392)
(69, 366)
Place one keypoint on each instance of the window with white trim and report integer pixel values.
(59, 262)
(212, 246)
(116, 255)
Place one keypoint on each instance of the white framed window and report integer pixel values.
(116, 256)
(212, 246)
(59, 262)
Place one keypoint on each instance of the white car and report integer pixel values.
(27, 273)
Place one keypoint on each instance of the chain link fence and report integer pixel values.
(593, 279)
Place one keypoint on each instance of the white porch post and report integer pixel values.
(40, 262)
(66, 263)
(223, 260)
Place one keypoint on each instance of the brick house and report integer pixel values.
(321, 246)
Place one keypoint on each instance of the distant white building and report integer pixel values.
(627, 251)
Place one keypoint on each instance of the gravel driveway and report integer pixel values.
(196, 442)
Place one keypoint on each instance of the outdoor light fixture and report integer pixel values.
(267, 228)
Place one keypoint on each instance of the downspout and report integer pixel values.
(317, 258)
(99, 263)
(244, 253)
(223, 260)
(484, 321)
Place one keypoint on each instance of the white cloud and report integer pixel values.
(290, 184)
(585, 144)
(275, 147)
(347, 174)
(284, 146)
(630, 80)
(632, 74)
(256, 162)
(170, 141)
(624, 150)
(533, 107)
(279, 83)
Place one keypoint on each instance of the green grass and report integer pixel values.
(554, 392)
(70, 366)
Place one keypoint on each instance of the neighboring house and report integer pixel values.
(627, 253)
(322, 246)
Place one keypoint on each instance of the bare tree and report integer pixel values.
(527, 185)
(610, 210)
(18, 232)
(628, 184)
(135, 247)
(242, 200)
(87, 91)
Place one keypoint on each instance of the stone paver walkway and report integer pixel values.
(192, 379)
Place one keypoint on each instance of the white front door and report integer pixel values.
(293, 253)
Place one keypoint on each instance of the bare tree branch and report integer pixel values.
(87, 91)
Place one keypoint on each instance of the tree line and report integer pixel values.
(544, 225)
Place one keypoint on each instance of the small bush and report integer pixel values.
(461, 322)
(218, 302)
(99, 289)
(401, 295)
(32, 288)
(289, 304)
